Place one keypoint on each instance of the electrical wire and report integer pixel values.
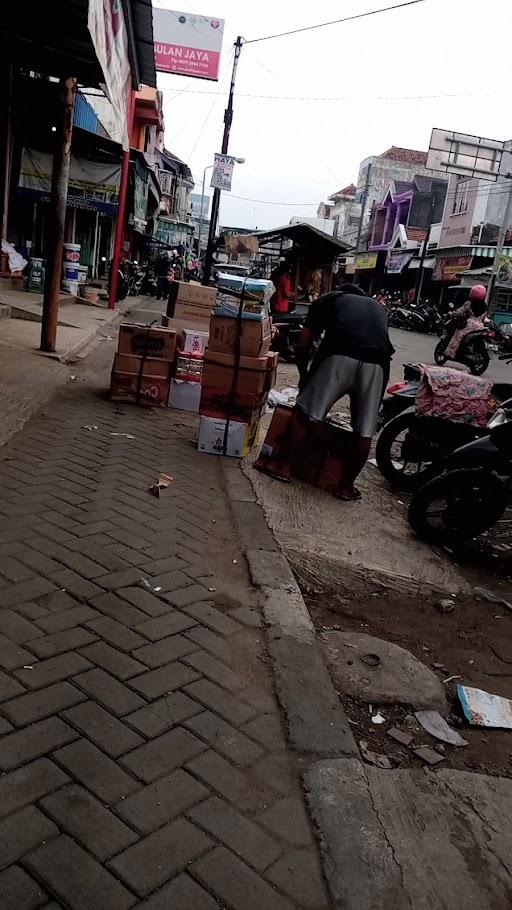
(355, 98)
(309, 28)
(227, 66)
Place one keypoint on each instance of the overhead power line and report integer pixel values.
(309, 28)
(358, 98)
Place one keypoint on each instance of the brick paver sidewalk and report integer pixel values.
(142, 753)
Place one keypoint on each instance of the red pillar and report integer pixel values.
(121, 208)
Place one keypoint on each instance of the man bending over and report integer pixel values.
(353, 358)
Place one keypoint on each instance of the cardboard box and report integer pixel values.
(227, 437)
(254, 334)
(185, 396)
(191, 301)
(179, 324)
(150, 366)
(146, 390)
(242, 407)
(189, 367)
(193, 341)
(320, 461)
(219, 373)
(147, 341)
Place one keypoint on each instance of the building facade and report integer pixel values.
(345, 213)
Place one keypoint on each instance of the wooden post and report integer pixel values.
(59, 192)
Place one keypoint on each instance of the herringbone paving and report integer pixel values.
(143, 757)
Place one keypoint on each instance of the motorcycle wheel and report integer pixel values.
(439, 353)
(457, 506)
(388, 455)
(479, 362)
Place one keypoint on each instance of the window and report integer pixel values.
(460, 200)
(165, 179)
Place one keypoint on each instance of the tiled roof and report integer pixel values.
(413, 233)
(408, 156)
(349, 190)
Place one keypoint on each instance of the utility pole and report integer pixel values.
(505, 224)
(228, 119)
(363, 206)
(59, 193)
(421, 268)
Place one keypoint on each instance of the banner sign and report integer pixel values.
(448, 268)
(366, 261)
(106, 24)
(186, 44)
(397, 262)
(92, 185)
(222, 173)
(504, 273)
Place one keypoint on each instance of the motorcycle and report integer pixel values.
(473, 492)
(472, 351)
(286, 328)
(122, 282)
(412, 448)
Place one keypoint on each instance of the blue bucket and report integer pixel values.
(70, 271)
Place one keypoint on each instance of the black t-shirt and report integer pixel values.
(354, 325)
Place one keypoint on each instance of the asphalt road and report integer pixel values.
(411, 347)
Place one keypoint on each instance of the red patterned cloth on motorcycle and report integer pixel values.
(453, 395)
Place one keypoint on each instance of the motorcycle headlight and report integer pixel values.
(501, 416)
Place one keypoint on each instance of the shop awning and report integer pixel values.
(309, 238)
(52, 37)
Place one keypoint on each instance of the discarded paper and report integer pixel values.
(90, 427)
(483, 709)
(126, 435)
(433, 723)
(378, 718)
(282, 396)
(164, 480)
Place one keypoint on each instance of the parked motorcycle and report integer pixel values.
(413, 448)
(473, 492)
(472, 351)
(122, 282)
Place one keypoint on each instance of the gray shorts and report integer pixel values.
(340, 375)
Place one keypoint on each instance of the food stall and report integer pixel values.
(313, 254)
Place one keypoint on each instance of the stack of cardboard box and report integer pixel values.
(143, 365)
(238, 373)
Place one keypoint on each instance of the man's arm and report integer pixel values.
(303, 352)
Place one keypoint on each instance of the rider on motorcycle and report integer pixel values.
(468, 318)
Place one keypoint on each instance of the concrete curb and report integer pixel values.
(86, 339)
(316, 721)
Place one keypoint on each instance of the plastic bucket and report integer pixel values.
(70, 271)
(71, 252)
(82, 273)
(70, 286)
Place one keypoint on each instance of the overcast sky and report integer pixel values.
(298, 151)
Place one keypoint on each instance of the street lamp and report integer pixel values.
(207, 168)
